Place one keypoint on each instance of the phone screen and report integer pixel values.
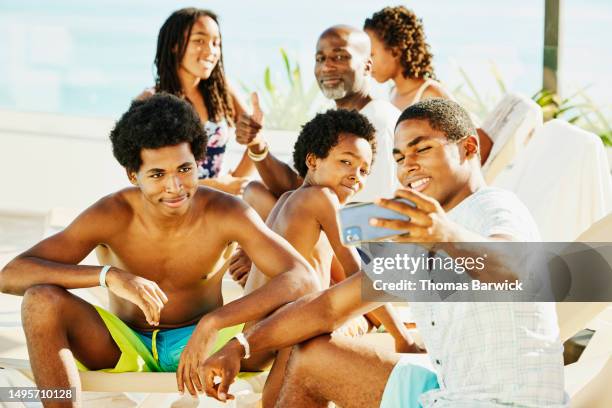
(355, 226)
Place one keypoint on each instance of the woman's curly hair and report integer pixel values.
(323, 132)
(400, 29)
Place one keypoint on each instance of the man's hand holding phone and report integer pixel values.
(426, 220)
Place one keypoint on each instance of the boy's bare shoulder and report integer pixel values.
(228, 216)
(314, 198)
(218, 203)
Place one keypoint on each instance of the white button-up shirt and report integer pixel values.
(493, 354)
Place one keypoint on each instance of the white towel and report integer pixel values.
(563, 177)
(510, 125)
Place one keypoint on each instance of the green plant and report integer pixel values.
(594, 120)
(469, 97)
(287, 105)
(577, 109)
(553, 107)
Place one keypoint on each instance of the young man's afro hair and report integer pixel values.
(159, 121)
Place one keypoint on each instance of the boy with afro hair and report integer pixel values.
(333, 154)
(160, 242)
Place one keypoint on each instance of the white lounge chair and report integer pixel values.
(510, 125)
(587, 381)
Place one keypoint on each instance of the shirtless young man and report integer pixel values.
(484, 354)
(161, 239)
(333, 154)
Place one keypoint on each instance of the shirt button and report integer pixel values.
(433, 323)
(437, 362)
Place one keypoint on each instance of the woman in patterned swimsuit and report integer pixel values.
(189, 64)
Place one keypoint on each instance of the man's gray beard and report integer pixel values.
(337, 92)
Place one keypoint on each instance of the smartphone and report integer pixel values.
(355, 222)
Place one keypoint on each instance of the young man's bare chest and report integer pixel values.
(174, 259)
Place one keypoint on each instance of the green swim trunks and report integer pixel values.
(159, 350)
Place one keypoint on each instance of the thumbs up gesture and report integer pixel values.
(249, 126)
(257, 115)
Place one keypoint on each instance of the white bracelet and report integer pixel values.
(243, 341)
(103, 272)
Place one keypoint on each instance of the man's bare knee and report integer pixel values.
(43, 303)
(301, 385)
(257, 195)
(252, 191)
(304, 356)
(310, 347)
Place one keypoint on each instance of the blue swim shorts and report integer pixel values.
(166, 345)
(406, 384)
(157, 350)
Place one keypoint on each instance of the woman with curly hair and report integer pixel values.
(400, 53)
(189, 64)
